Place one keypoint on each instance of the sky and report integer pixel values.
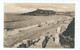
(28, 7)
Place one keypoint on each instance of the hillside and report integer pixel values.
(40, 12)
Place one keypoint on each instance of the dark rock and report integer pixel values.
(22, 45)
(45, 42)
(9, 29)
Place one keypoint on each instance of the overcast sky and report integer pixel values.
(27, 7)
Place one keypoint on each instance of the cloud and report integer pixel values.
(28, 7)
(12, 8)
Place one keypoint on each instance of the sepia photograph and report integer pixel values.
(39, 25)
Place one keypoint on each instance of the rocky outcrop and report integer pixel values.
(45, 42)
(41, 42)
(67, 38)
(40, 12)
(70, 29)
